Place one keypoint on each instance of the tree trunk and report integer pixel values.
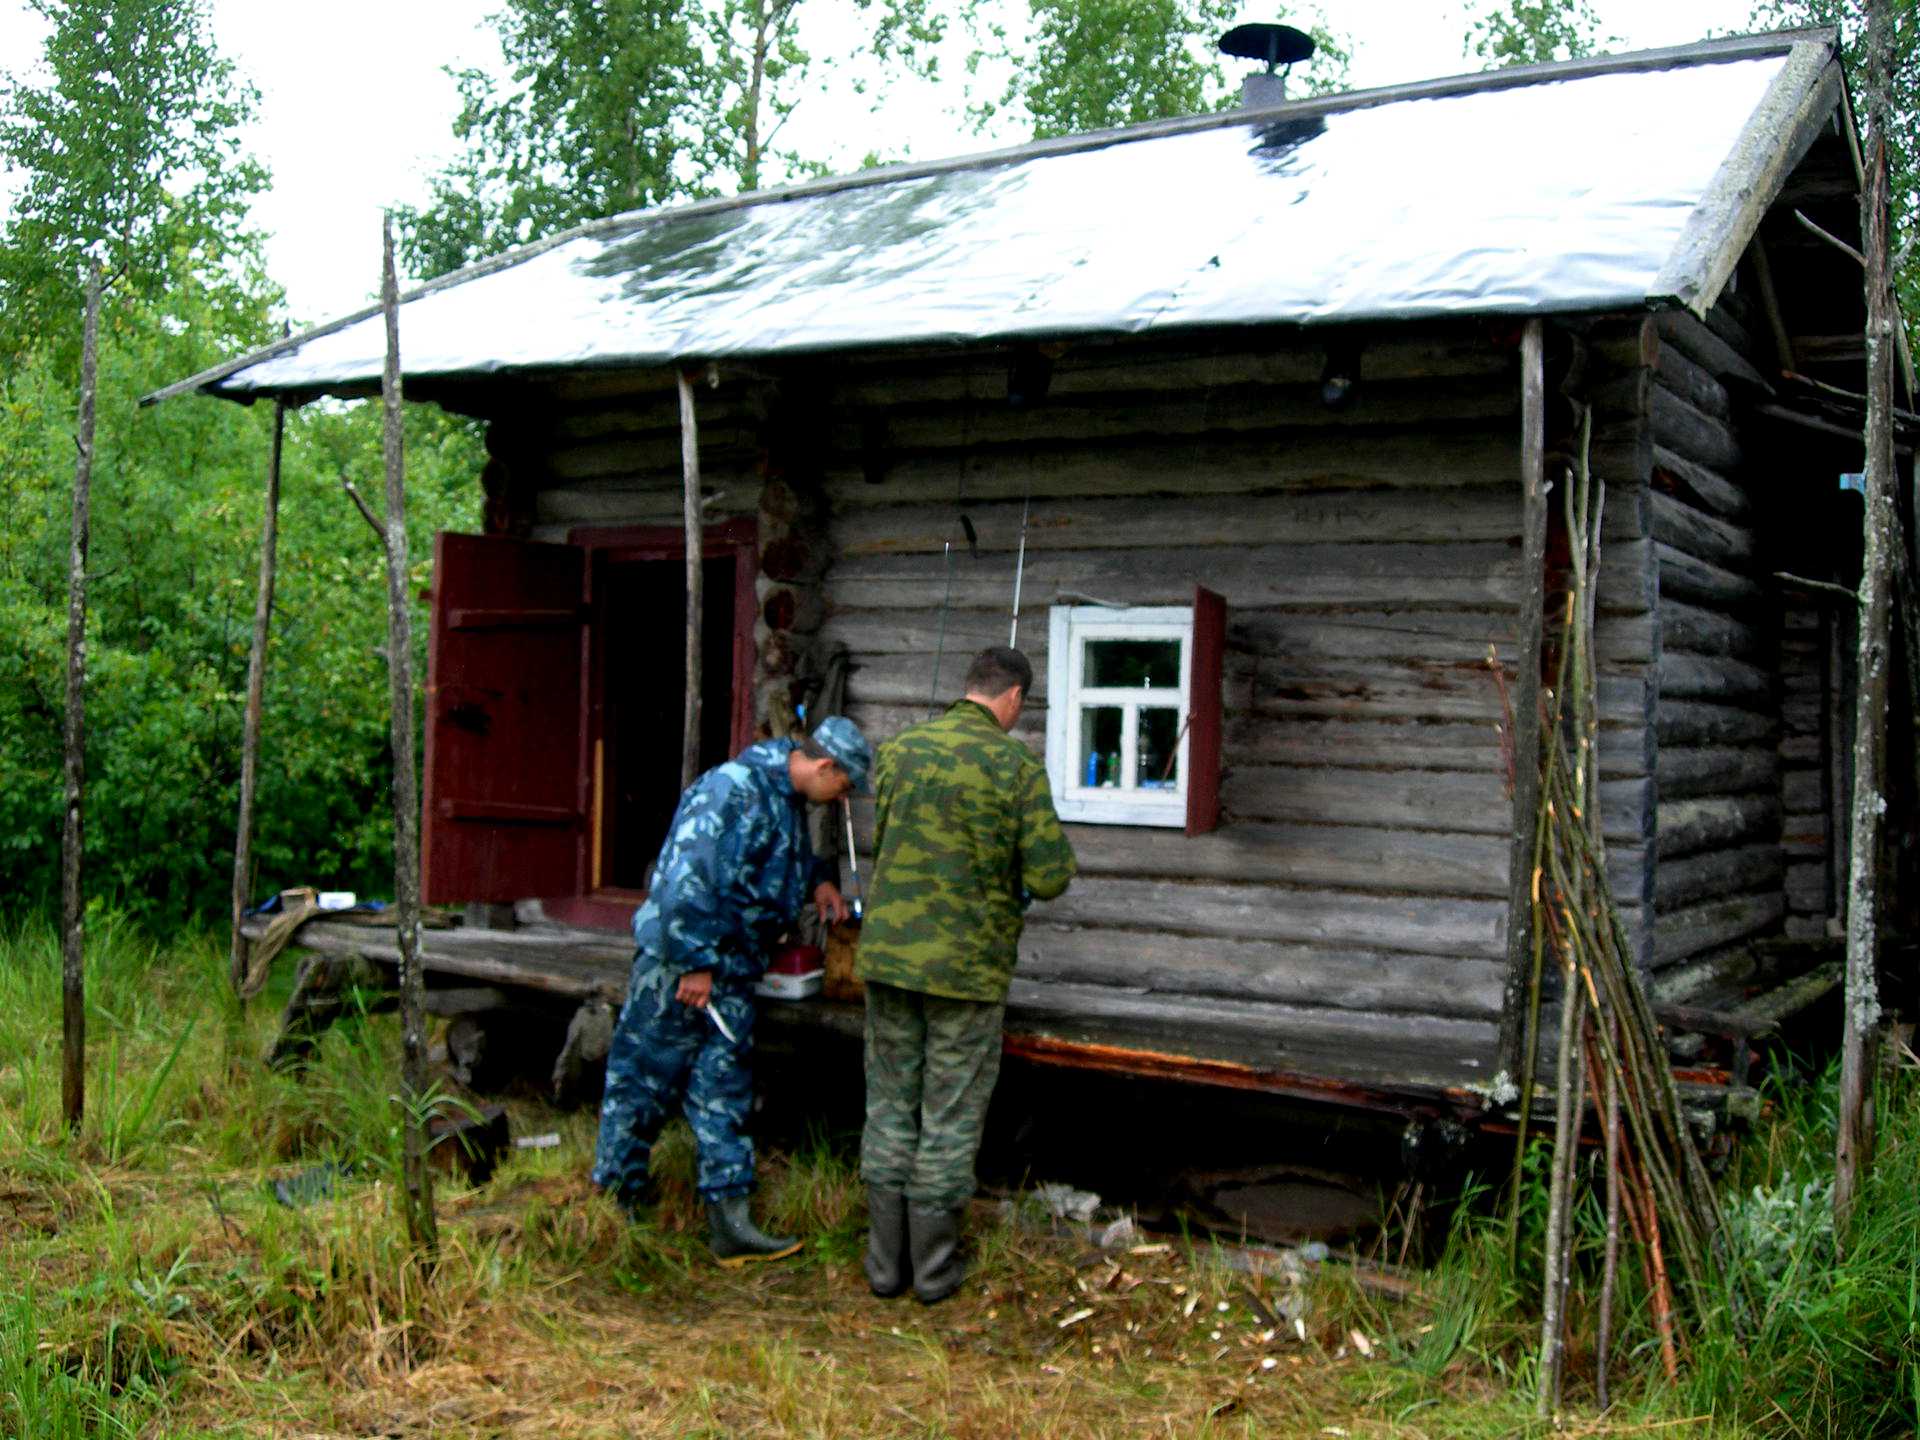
(696, 545)
(417, 1181)
(1854, 1142)
(763, 22)
(256, 695)
(73, 910)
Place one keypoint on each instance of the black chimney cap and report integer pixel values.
(1272, 45)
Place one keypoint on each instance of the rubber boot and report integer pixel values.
(736, 1240)
(889, 1266)
(933, 1237)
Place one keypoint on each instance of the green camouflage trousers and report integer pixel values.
(931, 1064)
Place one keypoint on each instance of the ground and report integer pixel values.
(162, 1289)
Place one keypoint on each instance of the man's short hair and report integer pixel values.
(997, 669)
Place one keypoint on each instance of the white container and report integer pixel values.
(777, 986)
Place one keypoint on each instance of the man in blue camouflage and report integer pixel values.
(965, 833)
(735, 870)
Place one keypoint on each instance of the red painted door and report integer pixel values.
(503, 817)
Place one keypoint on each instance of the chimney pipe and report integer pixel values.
(1274, 46)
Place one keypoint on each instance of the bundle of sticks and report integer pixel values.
(1609, 1061)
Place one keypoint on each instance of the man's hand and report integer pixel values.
(831, 904)
(695, 988)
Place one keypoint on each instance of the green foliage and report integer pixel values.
(130, 147)
(1531, 32)
(1836, 1336)
(1081, 65)
(615, 105)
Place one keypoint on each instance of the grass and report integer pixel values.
(159, 1289)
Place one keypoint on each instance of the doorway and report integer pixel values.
(640, 633)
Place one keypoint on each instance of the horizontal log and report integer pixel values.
(1687, 772)
(1627, 583)
(1803, 792)
(1716, 678)
(1238, 409)
(1133, 523)
(1309, 975)
(1679, 427)
(1626, 640)
(1365, 742)
(1693, 382)
(628, 456)
(1739, 870)
(1444, 801)
(1689, 335)
(1255, 576)
(1676, 475)
(1688, 827)
(1128, 369)
(1703, 583)
(572, 963)
(1807, 887)
(639, 501)
(1234, 465)
(1422, 924)
(1694, 722)
(1334, 856)
(1708, 537)
(1714, 924)
(1701, 630)
(1370, 1050)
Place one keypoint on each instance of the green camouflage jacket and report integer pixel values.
(965, 824)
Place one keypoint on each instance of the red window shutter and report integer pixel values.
(1205, 721)
(502, 800)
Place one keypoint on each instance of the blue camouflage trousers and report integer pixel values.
(664, 1054)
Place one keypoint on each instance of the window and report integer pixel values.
(1134, 713)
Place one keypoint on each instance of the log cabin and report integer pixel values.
(1242, 408)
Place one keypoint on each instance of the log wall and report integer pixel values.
(1348, 918)
(1725, 732)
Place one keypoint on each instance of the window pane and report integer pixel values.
(1133, 663)
(1159, 748)
(1100, 728)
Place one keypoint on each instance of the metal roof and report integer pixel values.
(1625, 182)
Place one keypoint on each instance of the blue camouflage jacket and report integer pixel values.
(734, 871)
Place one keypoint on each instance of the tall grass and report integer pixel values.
(1835, 1337)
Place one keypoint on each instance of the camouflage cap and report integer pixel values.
(841, 739)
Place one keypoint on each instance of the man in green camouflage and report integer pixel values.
(965, 834)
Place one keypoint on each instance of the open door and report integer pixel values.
(503, 817)
(1205, 718)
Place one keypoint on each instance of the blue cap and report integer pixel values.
(841, 739)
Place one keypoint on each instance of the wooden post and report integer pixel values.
(1853, 1151)
(73, 908)
(256, 695)
(1526, 699)
(696, 545)
(417, 1181)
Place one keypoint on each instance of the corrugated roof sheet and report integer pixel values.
(1561, 194)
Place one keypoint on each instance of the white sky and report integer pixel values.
(355, 109)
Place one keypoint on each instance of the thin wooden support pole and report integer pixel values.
(256, 697)
(1854, 1140)
(1526, 700)
(696, 546)
(73, 907)
(417, 1180)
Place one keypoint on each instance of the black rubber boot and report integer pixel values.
(736, 1240)
(934, 1240)
(888, 1265)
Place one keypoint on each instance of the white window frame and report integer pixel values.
(1072, 626)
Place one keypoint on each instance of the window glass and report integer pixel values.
(1159, 748)
(1101, 730)
(1133, 664)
